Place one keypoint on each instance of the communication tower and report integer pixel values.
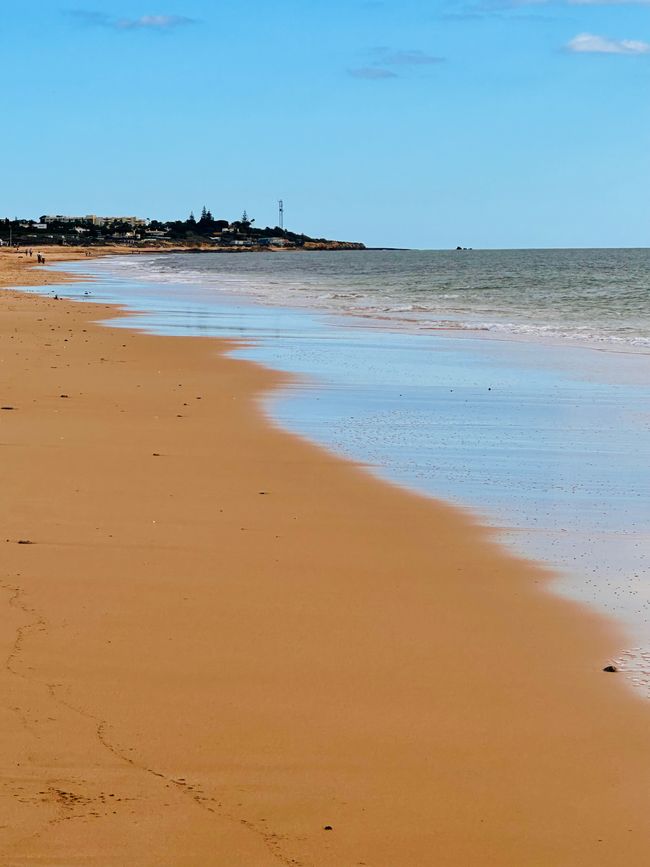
(281, 214)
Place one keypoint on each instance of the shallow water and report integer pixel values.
(549, 443)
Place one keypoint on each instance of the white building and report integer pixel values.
(93, 219)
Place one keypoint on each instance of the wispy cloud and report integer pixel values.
(144, 22)
(410, 57)
(88, 18)
(153, 22)
(513, 10)
(608, 2)
(385, 61)
(588, 43)
(372, 73)
(526, 9)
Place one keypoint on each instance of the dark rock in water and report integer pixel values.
(611, 668)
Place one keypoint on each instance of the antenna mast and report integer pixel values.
(281, 214)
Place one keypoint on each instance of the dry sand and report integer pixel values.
(222, 639)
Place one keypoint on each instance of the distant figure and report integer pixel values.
(39, 257)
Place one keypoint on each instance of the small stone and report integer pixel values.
(328, 828)
(64, 395)
(6, 407)
(610, 668)
(25, 542)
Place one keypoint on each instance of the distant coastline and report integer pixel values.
(206, 233)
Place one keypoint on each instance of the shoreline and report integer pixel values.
(465, 330)
(593, 542)
(19, 269)
(446, 321)
(246, 649)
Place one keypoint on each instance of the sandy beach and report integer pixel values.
(223, 645)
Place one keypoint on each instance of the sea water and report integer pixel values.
(514, 383)
(602, 296)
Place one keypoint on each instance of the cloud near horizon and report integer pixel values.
(589, 43)
(143, 22)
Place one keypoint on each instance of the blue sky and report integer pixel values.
(485, 123)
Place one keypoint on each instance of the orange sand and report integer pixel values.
(223, 639)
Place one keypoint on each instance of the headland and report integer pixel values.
(126, 232)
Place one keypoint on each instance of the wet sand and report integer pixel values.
(222, 640)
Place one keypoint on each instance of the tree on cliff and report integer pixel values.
(245, 222)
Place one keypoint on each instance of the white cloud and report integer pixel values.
(588, 43)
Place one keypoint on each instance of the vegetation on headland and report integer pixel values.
(206, 232)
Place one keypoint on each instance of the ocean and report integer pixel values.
(515, 384)
(601, 296)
